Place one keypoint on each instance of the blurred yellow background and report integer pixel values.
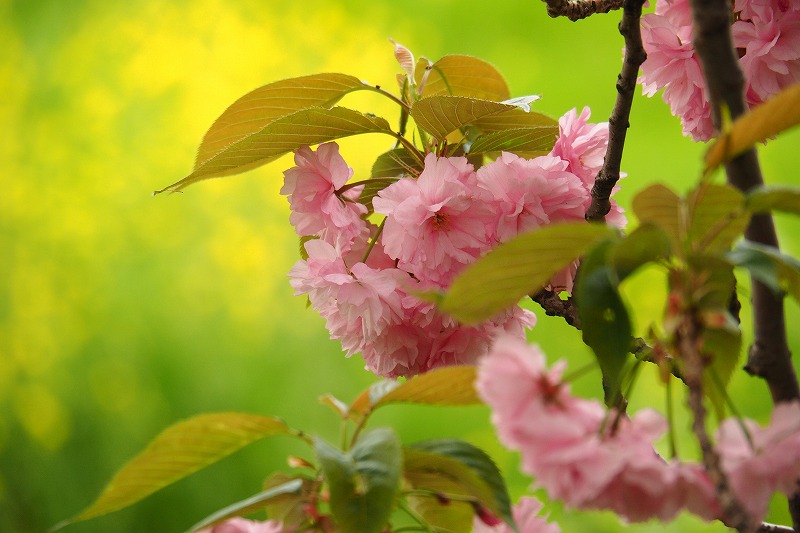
(121, 313)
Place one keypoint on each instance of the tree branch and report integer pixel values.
(618, 124)
(769, 355)
(580, 9)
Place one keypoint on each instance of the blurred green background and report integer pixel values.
(121, 313)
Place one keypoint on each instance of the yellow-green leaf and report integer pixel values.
(256, 109)
(178, 451)
(440, 115)
(525, 142)
(777, 114)
(281, 136)
(716, 217)
(660, 206)
(512, 119)
(774, 198)
(517, 268)
(462, 75)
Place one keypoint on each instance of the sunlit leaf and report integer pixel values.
(448, 386)
(256, 109)
(517, 268)
(396, 163)
(661, 207)
(527, 142)
(178, 451)
(440, 115)
(606, 325)
(284, 135)
(513, 119)
(767, 264)
(252, 504)
(461, 75)
(777, 114)
(716, 217)
(364, 481)
(647, 243)
(774, 198)
(469, 470)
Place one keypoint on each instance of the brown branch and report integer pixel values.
(580, 9)
(553, 305)
(769, 356)
(773, 528)
(619, 122)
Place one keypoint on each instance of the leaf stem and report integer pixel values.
(373, 241)
(390, 96)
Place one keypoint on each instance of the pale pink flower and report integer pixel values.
(582, 144)
(318, 207)
(242, 525)
(435, 225)
(526, 515)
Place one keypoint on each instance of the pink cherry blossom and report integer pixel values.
(526, 515)
(435, 224)
(242, 525)
(581, 144)
(318, 205)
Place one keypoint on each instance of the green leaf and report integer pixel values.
(606, 326)
(767, 264)
(281, 136)
(255, 110)
(290, 508)
(178, 451)
(292, 488)
(712, 281)
(440, 115)
(777, 114)
(461, 75)
(722, 345)
(396, 163)
(716, 217)
(516, 268)
(461, 469)
(526, 142)
(448, 386)
(647, 243)
(363, 482)
(513, 119)
(661, 207)
(774, 198)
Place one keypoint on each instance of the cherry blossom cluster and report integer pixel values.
(592, 458)
(242, 525)
(526, 515)
(362, 277)
(766, 34)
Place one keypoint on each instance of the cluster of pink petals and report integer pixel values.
(766, 32)
(242, 525)
(526, 515)
(435, 225)
(568, 445)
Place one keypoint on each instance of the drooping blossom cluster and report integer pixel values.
(361, 277)
(766, 34)
(526, 515)
(591, 458)
(242, 525)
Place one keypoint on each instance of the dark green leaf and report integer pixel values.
(606, 326)
(516, 268)
(645, 244)
(281, 136)
(774, 198)
(768, 265)
(363, 482)
(461, 75)
(526, 142)
(443, 114)
(178, 451)
(467, 470)
(716, 217)
(252, 504)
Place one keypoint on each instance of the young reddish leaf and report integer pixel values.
(661, 207)
(712, 281)
(442, 114)
(281, 136)
(606, 326)
(774, 198)
(717, 217)
(525, 142)
(256, 109)
(338, 406)
(777, 114)
(178, 451)
(363, 482)
(448, 386)
(292, 488)
(771, 267)
(290, 508)
(517, 268)
(405, 58)
(461, 75)
(465, 469)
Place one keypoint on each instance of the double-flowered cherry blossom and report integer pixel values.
(592, 458)
(242, 525)
(526, 515)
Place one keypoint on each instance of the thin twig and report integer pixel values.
(619, 122)
(580, 9)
